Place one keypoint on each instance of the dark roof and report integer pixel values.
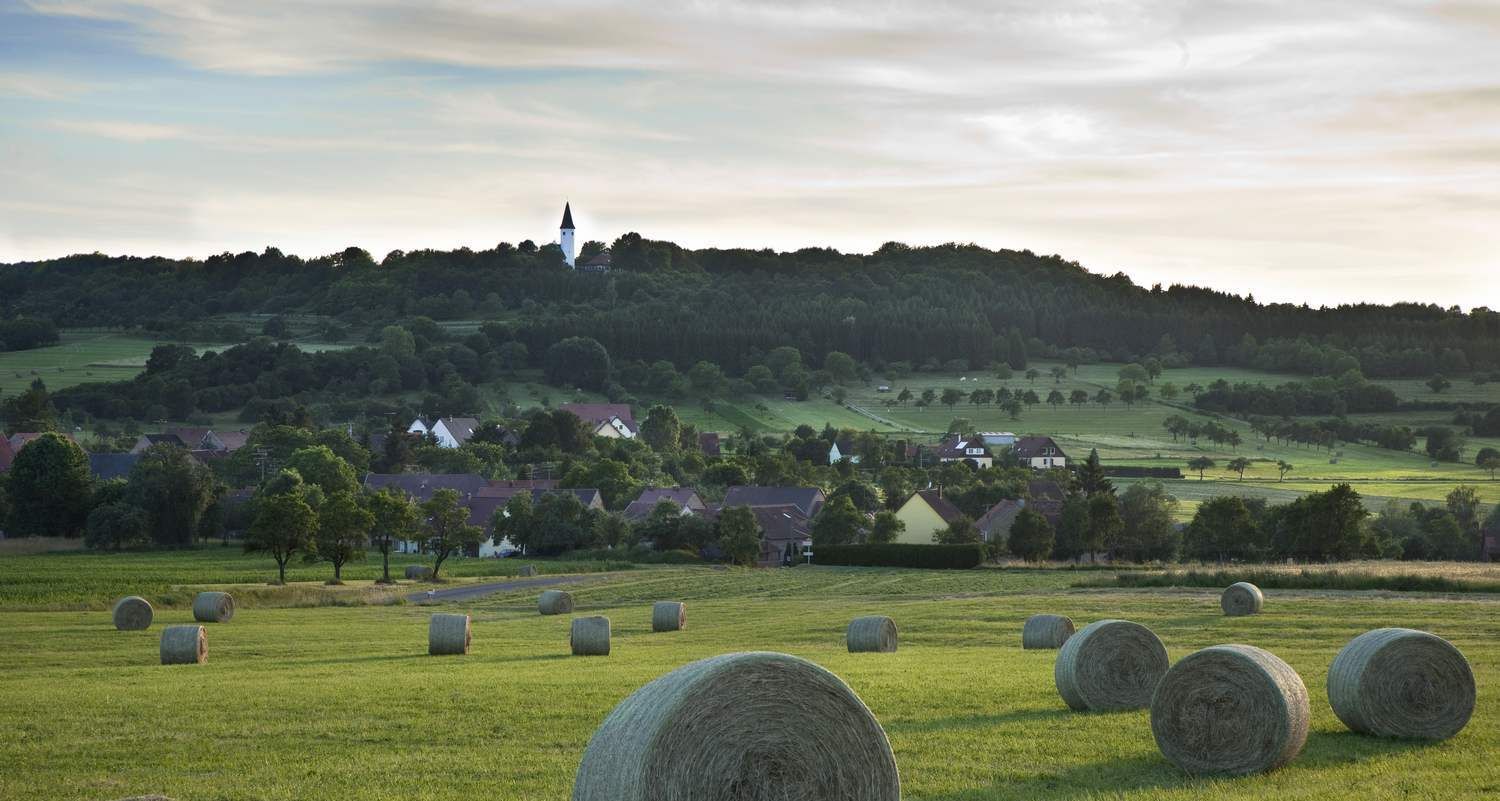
(1002, 513)
(165, 439)
(944, 507)
(598, 413)
(1045, 490)
(7, 454)
(190, 437)
(502, 495)
(567, 215)
(234, 440)
(105, 466)
(781, 523)
(421, 486)
(808, 500)
(462, 428)
(507, 487)
(600, 259)
(648, 499)
(1031, 447)
(708, 442)
(958, 447)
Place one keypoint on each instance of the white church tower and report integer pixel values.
(565, 235)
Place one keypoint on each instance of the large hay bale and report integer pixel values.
(132, 613)
(449, 635)
(1046, 631)
(418, 571)
(872, 634)
(1110, 665)
(528, 571)
(1242, 598)
(1230, 709)
(1402, 683)
(184, 645)
(745, 726)
(668, 616)
(555, 602)
(213, 607)
(590, 636)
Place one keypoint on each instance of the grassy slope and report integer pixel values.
(334, 703)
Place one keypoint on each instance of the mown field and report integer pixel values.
(342, 702)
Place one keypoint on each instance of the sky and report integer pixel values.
(1320, 152)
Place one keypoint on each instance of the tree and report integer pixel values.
(1463, 503)
(393, 519)
(1147, 512)
(397, 342)
(841, 366)
(1015, 349)
(706, 378)
(1078, 397)
(49, 487)
(1033, 374)
(661, 429)
(839, 523)
(577, 361)
(1282, 468)
(1221, 528)
(1031, 536)
(515, 522)
(173, 489)
(951, 397)
(1438, 384)
(960, 531)
(115, 525)
(1201, 464)
(321, 467)
(284, 525)
(739, 535)
(886, 528)
(1105, 527)
(1104, 398)
(446, 529)
(1055, 399)
(1444, 444)
(1488, 459)
(1239, 465)
(903, 396)
(1091, 478)
(343, 530)
(32, 410)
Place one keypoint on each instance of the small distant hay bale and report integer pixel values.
(668, 616)
(184, 645)
(590, 636)
(1046, 631)
(213, 607)
(528, 571)
(722, 727)
(132, 613)
(1402, 683)
(449, 635)
(1242, 598)
(418, 571)
(872, 634)
(1110, 665)
(1230, 709)
(555, 602)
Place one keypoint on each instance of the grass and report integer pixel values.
(334, 702)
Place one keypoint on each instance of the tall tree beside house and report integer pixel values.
(393, 519)
(839, 523)
(1149, 532)
(173, 489)
(321, 467)
(661, 429)
(49, 489)
(739, 535)
(1106, 528)
(1072, 535)
(887, 527)
(516, 521)
(1031, 536)
(343, 531)
(960, 531)
(284, 525)
(446, 529)
(1091, 478)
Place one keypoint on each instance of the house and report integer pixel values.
(107, 466)
(997, 439)
(7, 455)
(21, 439)
(708, 442)
(194, 439)
(842, 449)
(605, 419)
(1491, 546)
(421, 486)
(808, 501)
(147, 440)
(685, 498)
(504, 488)
(482, 509)
(451, 432)
(926, 513)
(600, 263)
(229, 441)
(959, 448)
(1039, 453)
(784, 534)
(994, 524)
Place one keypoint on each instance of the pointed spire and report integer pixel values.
(567, 216)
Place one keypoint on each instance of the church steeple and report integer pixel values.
(567, 222)
(565, 235)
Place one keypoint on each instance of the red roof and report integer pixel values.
(6, 454)
(599, 413)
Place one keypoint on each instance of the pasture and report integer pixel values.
(337, 702)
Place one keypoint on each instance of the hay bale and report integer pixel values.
(668, 616)
(449, 635)
(590, 636)
(528, 571)
(418, 571)
(1242, 598)
(748, 726)
(184, 645)
(1402, 683)
(1230, 709)
(1110, 665)
(873, 634)
(1046, 631)
(132, 613)
(213, 607)
(555, 602)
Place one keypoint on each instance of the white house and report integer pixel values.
(450, 432)
(842, 449)
(1039, 453)
(605, 419)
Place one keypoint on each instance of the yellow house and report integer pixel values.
(925, 513)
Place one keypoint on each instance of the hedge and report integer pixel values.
(935, 557)
(1125, 471)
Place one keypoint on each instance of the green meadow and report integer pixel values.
(338, 702)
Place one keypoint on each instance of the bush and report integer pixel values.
(640, 556)
(1122, 471)
(1307, 580)
(895, 554)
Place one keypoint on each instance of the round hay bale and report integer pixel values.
(1046, 631)
(730, 727)
(873, 634)
(590, 636)
(132, 613)
(418, 571)
(1402, 683)
(1110, 665)
(213, 607)
(449, 635)
(555, 602)
(668, 616)
(1230, 709)
(528, 571)
(184, 645)
(1242, 598)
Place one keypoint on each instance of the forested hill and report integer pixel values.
(918, 305)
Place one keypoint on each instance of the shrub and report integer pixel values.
(933, 557)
